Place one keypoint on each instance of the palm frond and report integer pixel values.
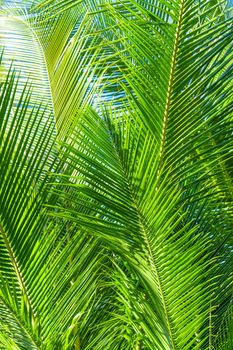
(32, 246)
(131, 151)
(130, 213)
(224, 338)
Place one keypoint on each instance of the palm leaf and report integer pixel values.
(32, 246)
(134, 221)
(141, 210)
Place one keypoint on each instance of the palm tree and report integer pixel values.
(116, 175)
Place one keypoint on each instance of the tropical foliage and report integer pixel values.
(116, 175)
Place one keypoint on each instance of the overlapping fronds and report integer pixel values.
(48, 269)
(135, 211)
(123, 135)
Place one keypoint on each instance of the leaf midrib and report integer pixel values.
(151, 261)
(171, 79)
(19, 321)
(19, 277)
(165, 124)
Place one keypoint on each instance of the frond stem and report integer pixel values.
(19, 321)
(151, 259)
(171, 79)
(17, 270)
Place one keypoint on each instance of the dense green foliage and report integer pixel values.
(116, 175)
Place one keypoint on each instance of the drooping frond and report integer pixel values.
(36, 296)
(26, 140)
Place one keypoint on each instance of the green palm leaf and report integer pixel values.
(137, 215)
(32, 247)
(119, 126)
